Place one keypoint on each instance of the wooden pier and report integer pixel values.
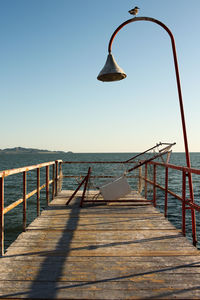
(113, 251)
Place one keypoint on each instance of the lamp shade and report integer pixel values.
(111, 71)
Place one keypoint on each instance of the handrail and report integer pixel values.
(56, 176)
(93, 162)
(26, 169)
(186, 203)
(186, 171)
(179, 168)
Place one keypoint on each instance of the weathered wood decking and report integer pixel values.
(100, 252)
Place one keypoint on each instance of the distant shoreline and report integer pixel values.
(21, 150)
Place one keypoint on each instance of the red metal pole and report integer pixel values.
(145, 195)
(180, 103)
(38, 191)
(154, 185)
(2, 215)
(74, 193)
(135, 156)
(60, 176)
(183, 201)
(24, 201)
(47, 185)
(166, 190)
(53, 183)
(85, 187)
(56, 177)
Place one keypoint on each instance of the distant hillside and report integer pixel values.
(20, 150)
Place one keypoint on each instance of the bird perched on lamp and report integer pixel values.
(134, 11)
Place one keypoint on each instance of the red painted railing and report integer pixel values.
(56, 167)
(52, 178)
(187, 203)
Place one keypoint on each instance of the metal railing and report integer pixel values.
(56, 168)
(188, 202)
(90, 174)
(140, 177)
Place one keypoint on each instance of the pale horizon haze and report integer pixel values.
(51, 53)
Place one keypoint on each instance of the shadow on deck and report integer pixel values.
(100, 252)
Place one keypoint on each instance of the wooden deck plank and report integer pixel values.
(115, 251)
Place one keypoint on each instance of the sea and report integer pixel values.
(14, 189)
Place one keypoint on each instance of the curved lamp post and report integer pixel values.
(112, 72)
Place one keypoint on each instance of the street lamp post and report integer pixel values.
(112, 72)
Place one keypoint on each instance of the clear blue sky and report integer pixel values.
(51, 53)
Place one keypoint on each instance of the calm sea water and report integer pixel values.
(13, 184)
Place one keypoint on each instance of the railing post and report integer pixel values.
(145, 194)
(2, 214)
(166, 190)
(140, 180)
(154, 185)
(56, 178)
(183, 201)
(53, 183)
(47, 185)
(38, 191)
(24, 201)
(60, 177)
(193, 215)
(85, 187)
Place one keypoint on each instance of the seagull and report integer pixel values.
(134, 11)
